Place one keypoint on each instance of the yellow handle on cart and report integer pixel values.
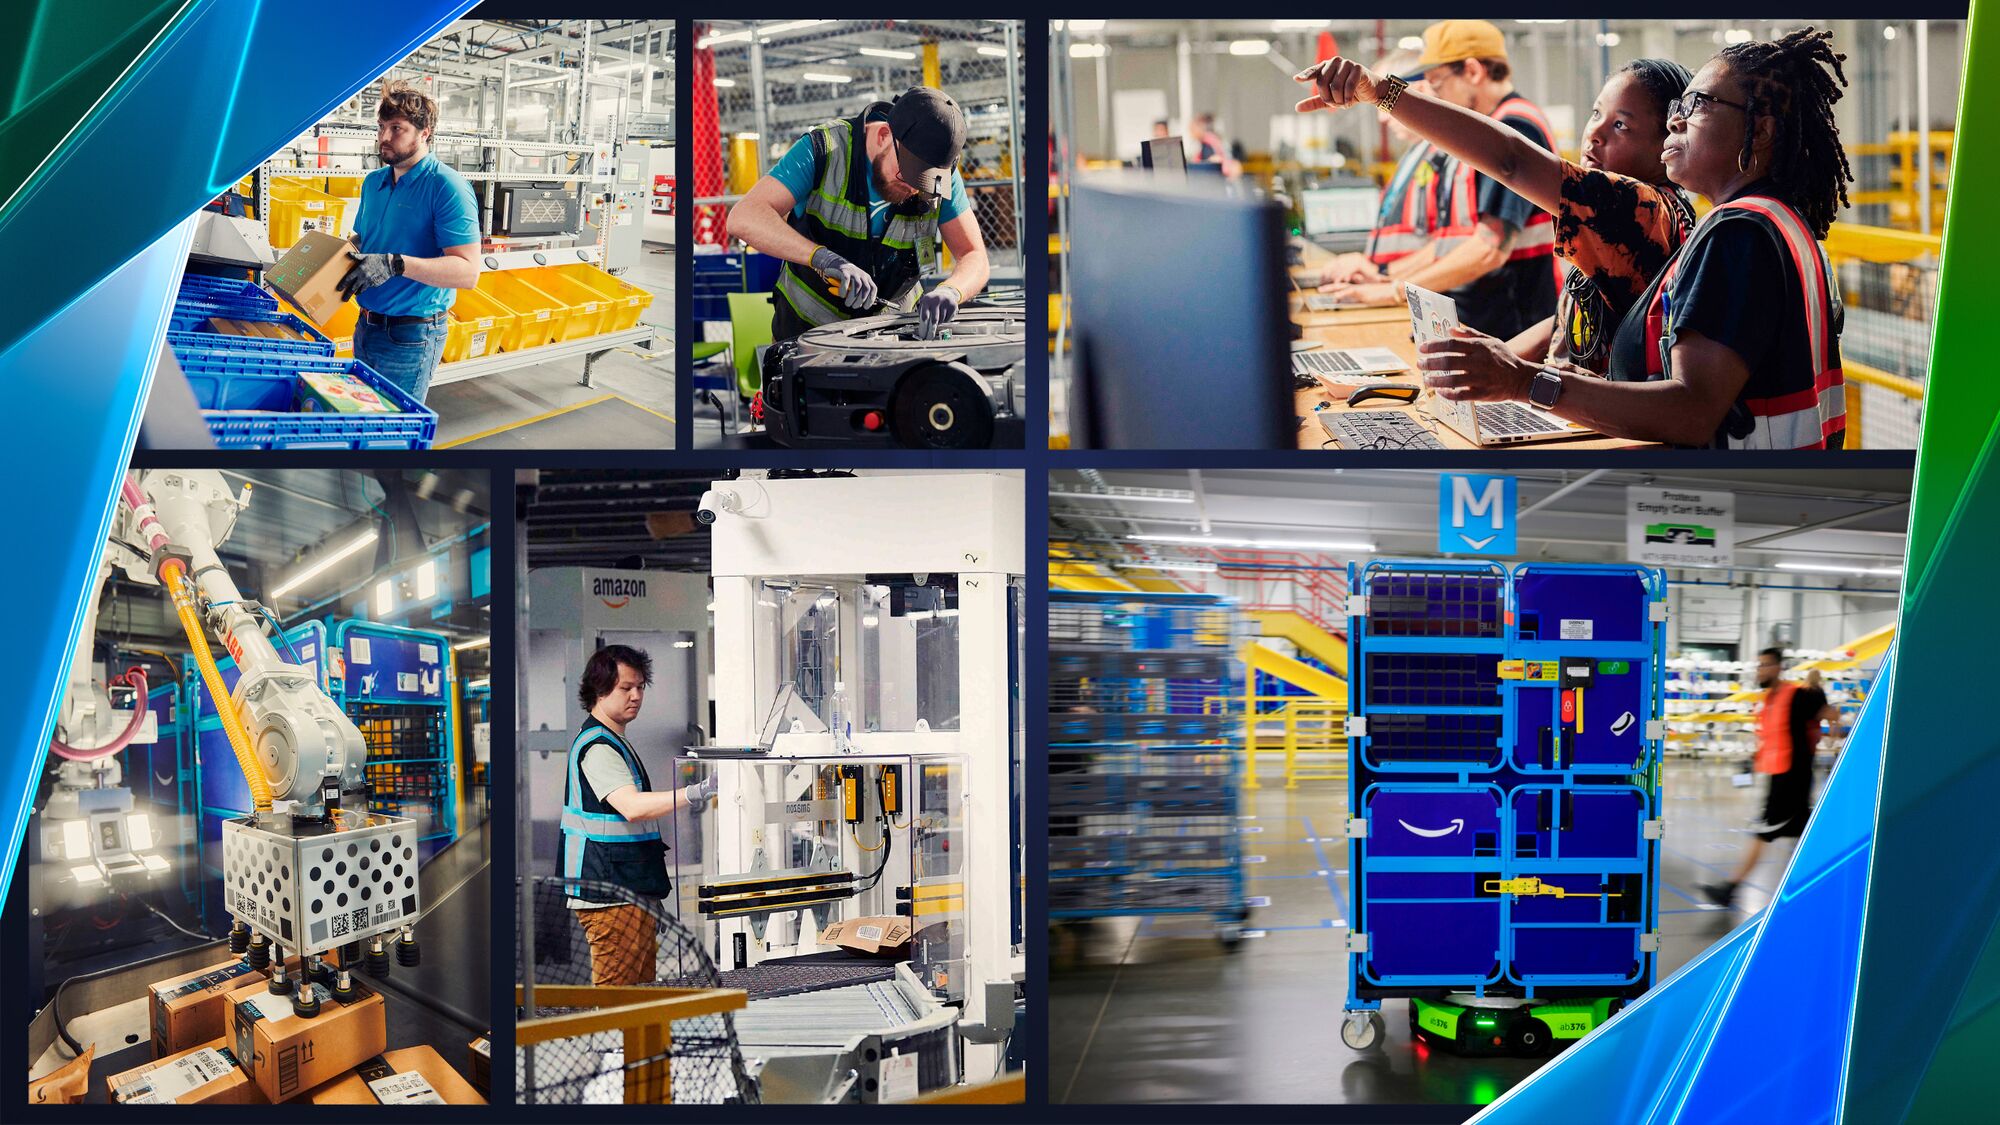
(1530, 885)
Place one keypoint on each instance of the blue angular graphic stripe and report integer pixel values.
(77, 346)
(1699, 1047)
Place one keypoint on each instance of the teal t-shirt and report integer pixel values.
(428, 209)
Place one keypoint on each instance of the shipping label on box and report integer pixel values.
(193, 1009)
(206, 1075)
(868, 935)
(411, 1076)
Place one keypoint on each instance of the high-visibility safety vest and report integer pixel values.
(1774, 730)
(836, 217)
(1801, 417)
(1461, 206)
(598, 843)
(1408, 215)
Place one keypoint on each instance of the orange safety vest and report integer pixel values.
(1410, 200)
(1806, 417)
(1538, 238)
(1774, 730)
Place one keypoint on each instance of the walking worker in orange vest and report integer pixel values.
(1788, 731)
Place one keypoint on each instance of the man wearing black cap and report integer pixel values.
(855, 209)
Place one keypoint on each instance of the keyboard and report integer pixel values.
(1327, 302)
(1377, 429)
(1505, 418)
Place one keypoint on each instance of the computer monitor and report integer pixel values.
(1339, 210)
(1177, 297)
(1164, 155)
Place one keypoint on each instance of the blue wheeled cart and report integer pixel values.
(1144, 758)
(1504, 735)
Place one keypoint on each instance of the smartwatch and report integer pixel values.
(1546, 389)
(396, 264)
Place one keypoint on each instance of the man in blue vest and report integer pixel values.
(855, 209)
(610, 819)
(416, 240)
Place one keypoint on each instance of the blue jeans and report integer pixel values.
(405, 354)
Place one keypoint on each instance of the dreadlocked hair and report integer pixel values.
(1795, 81)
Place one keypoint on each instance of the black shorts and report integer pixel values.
(1787, 805)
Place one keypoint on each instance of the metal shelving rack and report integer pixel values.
(1144, 766)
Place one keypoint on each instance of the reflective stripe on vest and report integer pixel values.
(833, 218)
(1412, 205)
(1774, 730)
(608, 826)
(1537, 237)
(1801, 419)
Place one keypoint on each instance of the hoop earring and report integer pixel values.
(1742, 163)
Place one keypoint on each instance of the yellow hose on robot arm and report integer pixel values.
(174, 576)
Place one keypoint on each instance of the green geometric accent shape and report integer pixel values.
(62, 63)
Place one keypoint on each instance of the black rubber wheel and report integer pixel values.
(939, 406)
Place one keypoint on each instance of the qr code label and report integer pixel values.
(339, 925)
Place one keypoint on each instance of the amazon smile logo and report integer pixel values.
(1457, 825)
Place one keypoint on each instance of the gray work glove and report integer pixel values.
(698, 794)
(857, 289)
(368, 271)
(936, 309)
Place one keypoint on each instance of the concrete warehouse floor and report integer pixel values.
(1153, 1010)
(476, 407)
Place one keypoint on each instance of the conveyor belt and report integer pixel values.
(791, 978)
(811, 1022)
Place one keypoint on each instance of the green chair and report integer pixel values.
(749, 329)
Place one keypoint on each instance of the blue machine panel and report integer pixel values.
(387, 664)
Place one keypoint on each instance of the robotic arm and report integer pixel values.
(295, 744)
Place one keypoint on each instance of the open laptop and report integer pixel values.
(1164, 156)
(1432, 317)
(1349, 366)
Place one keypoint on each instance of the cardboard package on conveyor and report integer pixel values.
(270, 330)
(337, 392)
(412, 1076)
(203, 1075)
(190, 1009)
(308, 272)
(883, 936)
(287, 1054)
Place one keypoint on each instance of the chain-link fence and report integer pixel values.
(592, 940)
(773, 80)
(1885, 346)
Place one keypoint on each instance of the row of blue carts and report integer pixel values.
(249, 388)
(1503, 788)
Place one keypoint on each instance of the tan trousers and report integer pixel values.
(624, 944)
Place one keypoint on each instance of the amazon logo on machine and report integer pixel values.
(622, 589)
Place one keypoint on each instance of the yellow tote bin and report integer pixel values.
(628, 301)
(339, 329)
(589, 311)
(540, 318)
(297, 208)
(479, 326)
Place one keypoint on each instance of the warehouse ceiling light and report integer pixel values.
(1086, 26)
(722, 37)
(319, 565)
(820, 76)
(1197, 568)
(1262, 544)
(476, 642)
(993, 52)
(1086, 50)
(886, 53)
(725, 83)
(1250, 47)
(1123, 492)
(1829, 568)
(1410, 43)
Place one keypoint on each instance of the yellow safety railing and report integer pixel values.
(1310, 735)
(1848, 243)
(643, 1014)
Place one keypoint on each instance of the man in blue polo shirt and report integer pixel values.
(856, 208)
(415, 240)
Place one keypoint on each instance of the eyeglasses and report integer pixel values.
(1690, 103)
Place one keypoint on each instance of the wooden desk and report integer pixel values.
(1373, 328)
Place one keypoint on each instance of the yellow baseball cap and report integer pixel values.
(1450, 41)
